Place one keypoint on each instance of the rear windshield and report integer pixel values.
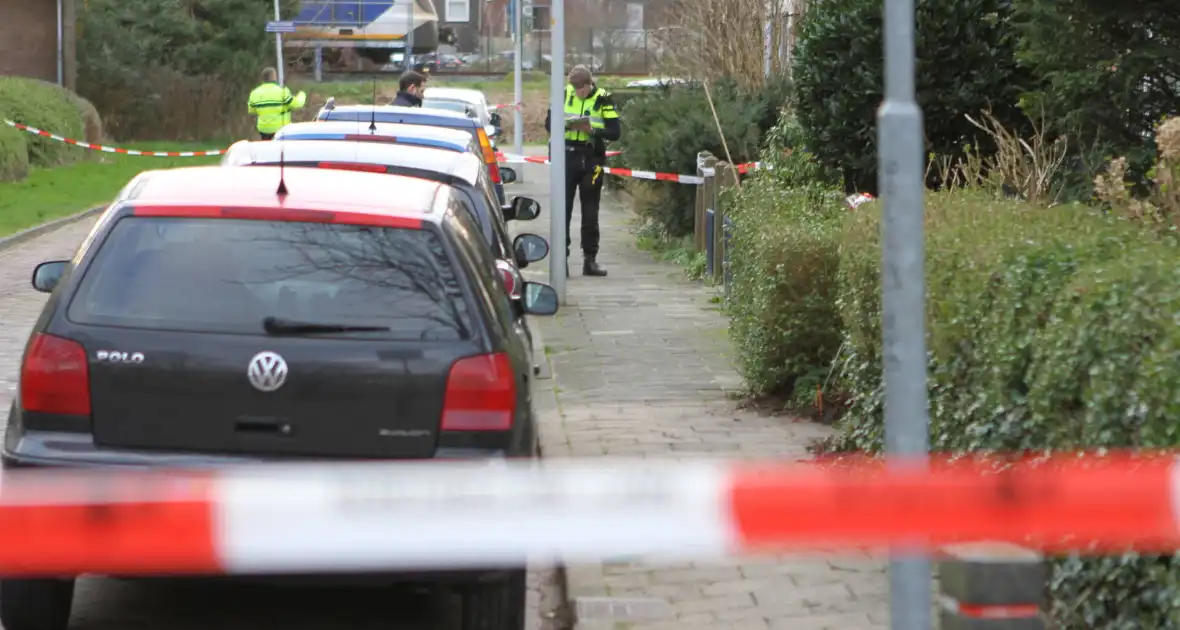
(226, 276)
(454, 106)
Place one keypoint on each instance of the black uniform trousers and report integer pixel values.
(583, 174)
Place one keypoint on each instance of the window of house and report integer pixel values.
(458, 10)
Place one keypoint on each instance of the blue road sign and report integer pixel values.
(286, 26)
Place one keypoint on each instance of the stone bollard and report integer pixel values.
(991, 586)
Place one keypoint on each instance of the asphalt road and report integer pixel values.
(106, 604)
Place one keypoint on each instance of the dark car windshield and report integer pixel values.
(227, 276)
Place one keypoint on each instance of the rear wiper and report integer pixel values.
(281, 326)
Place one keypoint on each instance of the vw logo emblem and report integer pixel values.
(267, 371)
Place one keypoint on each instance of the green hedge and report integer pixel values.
(665, 128)
(14, 154)
(783, 261)
(1105, 79)
(45, 106)
(1049, 329)
(966, 64)
(162, 69)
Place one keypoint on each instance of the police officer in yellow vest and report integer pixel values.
(592, 122)
(272, 103)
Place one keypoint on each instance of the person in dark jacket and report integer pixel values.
(590, 122)
(409, 89)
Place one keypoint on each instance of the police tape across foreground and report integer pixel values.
(305, 518)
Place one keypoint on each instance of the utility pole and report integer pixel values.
(518, 81)
(409, 54)
(280, 65)
(903, 280)
(559, 256)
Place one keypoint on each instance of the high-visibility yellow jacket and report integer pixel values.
(272, 103)
(599, 107)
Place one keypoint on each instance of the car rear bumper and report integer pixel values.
(51, 449)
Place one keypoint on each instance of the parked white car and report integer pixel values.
(442, 97)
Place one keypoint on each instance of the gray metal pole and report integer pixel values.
(768, 42)
(279, 65)
(518, 83)
(319, 64)
(61, 45)
(557, 260)
(409, 55)
(900, 157)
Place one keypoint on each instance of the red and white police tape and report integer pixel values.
(317, 517)
(105, 149)
(507, 158)
(504, 158)
(506, 106)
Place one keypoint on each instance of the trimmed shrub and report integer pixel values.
(14, 155)
(664, 130)
(966, 64)
(783, 318)
(1049, 329)
(44, 106)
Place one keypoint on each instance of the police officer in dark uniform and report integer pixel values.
(593, 123)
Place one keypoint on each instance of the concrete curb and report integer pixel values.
(549, 422)
(540, 357)
(13, 240)
(584, 581)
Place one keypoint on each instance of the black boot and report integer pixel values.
(590, 266)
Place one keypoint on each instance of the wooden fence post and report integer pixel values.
(706, 164)
(991, 586)
(723, 181)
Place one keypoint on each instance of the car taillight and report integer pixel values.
(353, 166)
(369, 137)
(55, 377)
(511, 282)
(481, 394)
(489, 156)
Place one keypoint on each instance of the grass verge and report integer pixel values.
(52, 193)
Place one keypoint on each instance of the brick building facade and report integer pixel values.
(28, 39)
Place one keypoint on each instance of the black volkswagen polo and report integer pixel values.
(219, 316)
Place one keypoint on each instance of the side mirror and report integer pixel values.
(530, 248)
(507, 175)
(496, 120)
(524, 209)
(48, 274)
(539, 299)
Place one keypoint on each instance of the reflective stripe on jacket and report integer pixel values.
(272, 103)
(589, 106)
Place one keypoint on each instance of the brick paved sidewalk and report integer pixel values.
(640, 368)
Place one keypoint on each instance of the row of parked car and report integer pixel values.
(348, 291)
